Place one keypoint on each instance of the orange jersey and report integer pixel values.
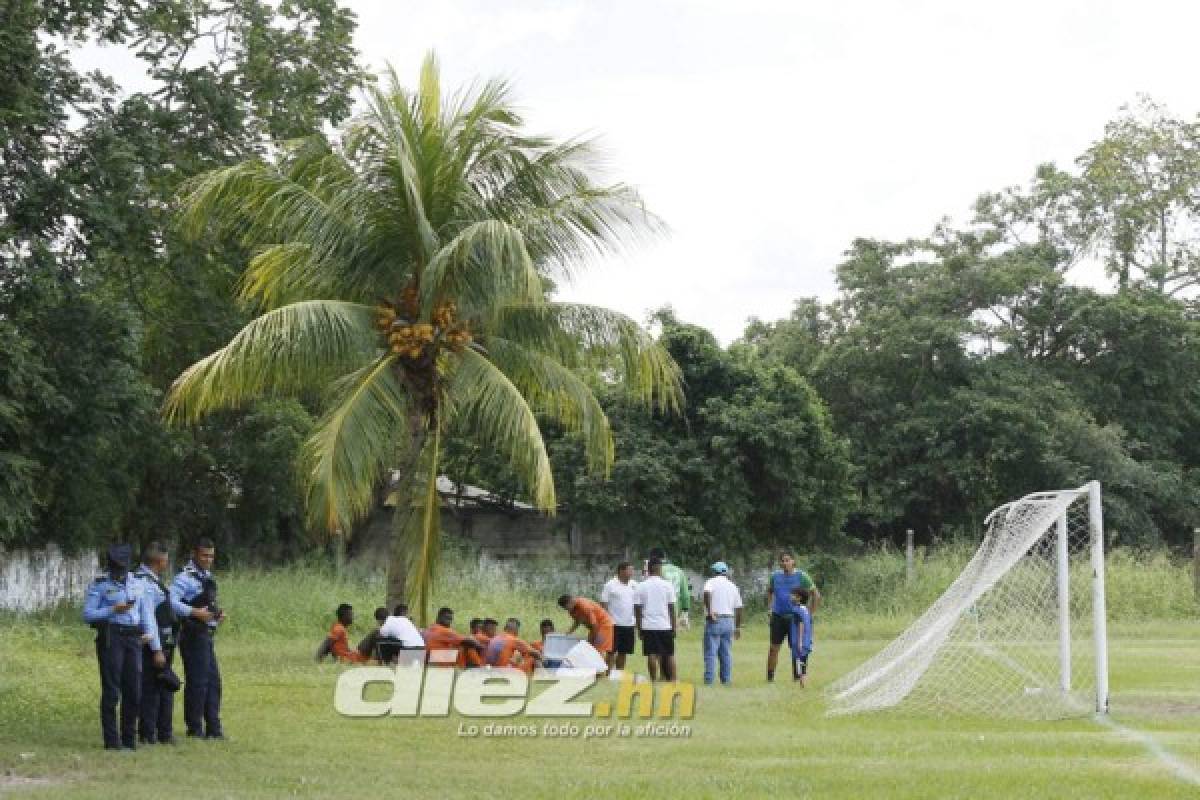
(339, 645)
(500, 650)
(590, 613)
(471, 657)
(439, 637)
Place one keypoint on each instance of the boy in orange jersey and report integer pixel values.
(339, 637)
(441, 636)
(472, 657)
(505, 646)
(547, 628)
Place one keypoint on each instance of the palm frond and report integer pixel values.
(291, 349)
(315, 205)
(487, 405)
(280, 274)
(574, 333)
(554, 390)
(429, 91)
(387, 142)
(550, 192)
(353, 445)
(484, 266)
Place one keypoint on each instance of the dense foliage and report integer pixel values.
(102, 302)
(950, 373)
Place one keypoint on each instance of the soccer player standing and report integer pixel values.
(779, 601)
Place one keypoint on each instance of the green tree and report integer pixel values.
(1133, 202)
(82, 412)
(23, 389)
(401, 269)
(86, 201)
(752, 462)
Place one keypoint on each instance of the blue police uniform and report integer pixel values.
(119, 645)
(158, 701)
(195, 588)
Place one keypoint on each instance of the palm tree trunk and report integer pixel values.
(407, 515)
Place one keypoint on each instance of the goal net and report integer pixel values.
(1021, 631)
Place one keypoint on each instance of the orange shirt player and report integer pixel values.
(339, 637)
(592, 616)
(487, 632)
(469, 656)
(441, 636)
(547, 627)
(504, 647)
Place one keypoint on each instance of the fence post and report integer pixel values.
(909, 565)
(1196, 561)
(1099, 605)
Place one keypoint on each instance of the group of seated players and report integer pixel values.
(485, 645)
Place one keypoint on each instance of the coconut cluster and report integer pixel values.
(411, 340)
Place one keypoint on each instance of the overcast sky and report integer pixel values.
(769, 134)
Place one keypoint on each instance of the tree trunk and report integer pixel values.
(407, 512)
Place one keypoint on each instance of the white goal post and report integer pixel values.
(1021, 631)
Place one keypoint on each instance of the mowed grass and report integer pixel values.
(752, 740)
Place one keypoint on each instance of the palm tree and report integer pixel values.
(402, 271)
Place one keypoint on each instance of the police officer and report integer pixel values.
(194, 598)
(158, 684)
(118, 607)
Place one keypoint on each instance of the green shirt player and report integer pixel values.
(779, 601)
(678, 580)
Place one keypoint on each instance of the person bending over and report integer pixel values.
(592, 616)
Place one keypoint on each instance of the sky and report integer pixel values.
(768, 135)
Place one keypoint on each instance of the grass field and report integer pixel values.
(752, 740)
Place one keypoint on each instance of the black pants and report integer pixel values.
(202, 683)
(119, 654)
(367, 646)
(158, 705)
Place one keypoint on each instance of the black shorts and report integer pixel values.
(781, 628)
(658, 643)
(625, 637)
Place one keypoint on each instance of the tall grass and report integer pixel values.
(869, 593)
(865, 596)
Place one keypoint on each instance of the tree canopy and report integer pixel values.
(331, 289)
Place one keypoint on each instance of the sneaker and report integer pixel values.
(168, 740)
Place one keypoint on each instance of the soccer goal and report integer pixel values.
(1021, 631)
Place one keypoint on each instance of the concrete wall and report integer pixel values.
(31, 580)
(500, 536)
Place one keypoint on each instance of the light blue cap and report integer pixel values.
(720, 568)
